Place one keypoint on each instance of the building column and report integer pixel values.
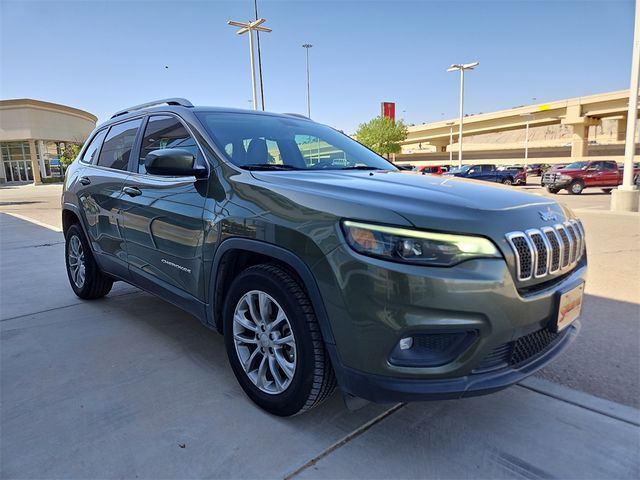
(621, 129)
(35, 167)
(41, 154)
(579, 140)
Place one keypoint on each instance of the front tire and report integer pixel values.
(576, 187)
(273, 342)
(553, 191)
(85, 277)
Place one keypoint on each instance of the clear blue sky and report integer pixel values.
(104, 55)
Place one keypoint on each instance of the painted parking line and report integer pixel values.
(34, 221)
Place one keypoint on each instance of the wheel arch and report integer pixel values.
(236, 254)
(70, 215)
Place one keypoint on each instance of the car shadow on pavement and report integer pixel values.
(603, 360)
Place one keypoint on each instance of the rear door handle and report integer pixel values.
(85, 180)
(132, 191)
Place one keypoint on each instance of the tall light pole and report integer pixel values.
(307, 46)
(626, 197)
(249, 28)
(461, 67)
(450, 142)
(255, 6)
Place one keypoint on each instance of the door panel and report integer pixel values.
(163, 228)
(100, 205)
(102, 177)
(163, 223)
(610, 174)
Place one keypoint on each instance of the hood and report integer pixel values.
(426, 201)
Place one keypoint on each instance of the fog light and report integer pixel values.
(431, 349)
(406, 343)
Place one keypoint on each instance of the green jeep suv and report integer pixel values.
(319, 261)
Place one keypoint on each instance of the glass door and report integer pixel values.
(29, 171)
(18, 171)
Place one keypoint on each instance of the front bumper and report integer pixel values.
(374, 303)
(381, 389)
(554, 181)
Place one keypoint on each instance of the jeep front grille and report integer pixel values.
(541, 252)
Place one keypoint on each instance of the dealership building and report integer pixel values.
(33, 135)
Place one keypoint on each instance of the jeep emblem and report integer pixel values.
(548, 216)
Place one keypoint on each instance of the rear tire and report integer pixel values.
(576, 187)
(283, 378)
(85, 277)
(507, 181)
(607, 190)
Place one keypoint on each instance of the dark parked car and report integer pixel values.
(487, 172)
(519, 174)
(319, 262)
(537, 169)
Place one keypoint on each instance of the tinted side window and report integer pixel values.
(488, 168)
(610, 165)
(90, 155)
(165, 131)
(118, 144)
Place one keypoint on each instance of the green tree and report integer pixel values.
(69, 154)
(382, 135)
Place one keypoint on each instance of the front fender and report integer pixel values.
(284, 256)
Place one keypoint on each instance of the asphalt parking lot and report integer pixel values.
(130, 386)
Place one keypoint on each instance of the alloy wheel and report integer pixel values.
(264, 342)
(75, 256)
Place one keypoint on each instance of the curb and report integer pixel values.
(611, 409)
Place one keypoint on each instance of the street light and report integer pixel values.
(461, 67)
(307, 46)
(450, 124)
(249, 27)
(528, 117)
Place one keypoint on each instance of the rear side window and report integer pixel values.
(165, 131)
(90, 155)
(610, 165)
(118, 144)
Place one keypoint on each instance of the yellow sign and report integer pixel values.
(543, 107)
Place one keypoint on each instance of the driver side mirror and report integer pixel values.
(173, 162)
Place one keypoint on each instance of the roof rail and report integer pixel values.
(169, 101)
(299, 115)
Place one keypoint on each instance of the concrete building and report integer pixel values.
(33, 134)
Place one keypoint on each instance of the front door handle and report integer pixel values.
(132, 191)
(84, 180)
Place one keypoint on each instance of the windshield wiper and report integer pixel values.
(361, 167)
(268, 166)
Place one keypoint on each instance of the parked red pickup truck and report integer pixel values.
(577, 176)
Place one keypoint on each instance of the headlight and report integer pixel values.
(416, 246)
(564, 178)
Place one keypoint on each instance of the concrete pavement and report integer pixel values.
(129, 386)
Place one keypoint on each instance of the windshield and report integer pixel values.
(257, 142)
(462, 169)
(576, 166)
